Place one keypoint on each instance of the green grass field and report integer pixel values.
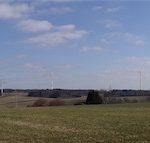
(120, 123)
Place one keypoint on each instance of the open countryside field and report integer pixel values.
(23, 100)
(16, 99)
(117, 123)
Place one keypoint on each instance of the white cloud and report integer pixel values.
(69, 27)
(57, 37)
(108, 23)
(60, 10)
(106, 9)
(35, 67)
(137, 60)
(125, 37)
(92, 49)
(55, 10)
(31, 25)
(113, 9)
(135, 39)
(13, 11)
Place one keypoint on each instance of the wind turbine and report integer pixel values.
(140, 76)
(140, 79)
(52, 81)
(50, 76)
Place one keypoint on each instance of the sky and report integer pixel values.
(79, 44)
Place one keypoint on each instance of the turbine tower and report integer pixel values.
(52, 81)
(52, 84)
(139, 79)
(140, 76)
(50, 78)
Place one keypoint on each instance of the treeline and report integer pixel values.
(71, 93)
(124, 93)
(117, 96)
(58, 93)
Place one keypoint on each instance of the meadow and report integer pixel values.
(113, 123)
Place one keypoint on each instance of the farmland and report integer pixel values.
(23, 100)
(76, 124)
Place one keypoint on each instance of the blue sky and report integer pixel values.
(78, 44)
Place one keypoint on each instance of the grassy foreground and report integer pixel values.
(124, 123)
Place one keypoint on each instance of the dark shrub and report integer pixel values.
(40, 102)
(56, 102)
(126, 100)
(45, 102)
(112, 100)
(94, 98)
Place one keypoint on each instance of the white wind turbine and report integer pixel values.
(140, 73)
(52, 80)
(50, 75)
(140, 79)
